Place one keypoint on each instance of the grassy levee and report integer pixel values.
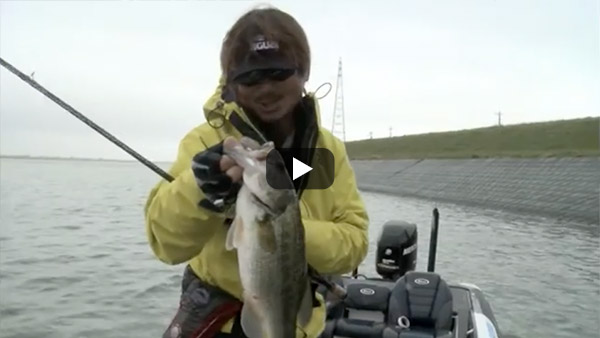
(564, 138)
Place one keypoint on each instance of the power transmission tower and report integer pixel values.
(338, 107)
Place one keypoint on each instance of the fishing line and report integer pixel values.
(87, 121)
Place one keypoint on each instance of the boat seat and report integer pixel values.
(367, 301)
(424, 300)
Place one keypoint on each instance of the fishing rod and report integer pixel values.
(332, 287)
(87, 121)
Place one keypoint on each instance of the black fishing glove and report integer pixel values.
(219, 189)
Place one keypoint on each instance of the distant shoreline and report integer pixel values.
(554, 139)
(58, 158)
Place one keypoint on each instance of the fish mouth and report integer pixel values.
(265, 205)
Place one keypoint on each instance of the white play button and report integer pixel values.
(299, 168)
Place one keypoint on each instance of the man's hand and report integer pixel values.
(217, 175)
(227, 164)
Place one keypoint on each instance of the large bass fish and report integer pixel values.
(268, 234)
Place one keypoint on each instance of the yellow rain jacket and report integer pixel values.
(179, 230)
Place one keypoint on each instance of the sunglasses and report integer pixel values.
(255, 77)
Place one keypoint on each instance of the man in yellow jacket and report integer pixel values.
(265, 62)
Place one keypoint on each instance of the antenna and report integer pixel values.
(338, 107)
(435, 224)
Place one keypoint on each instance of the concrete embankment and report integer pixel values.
(566, 188)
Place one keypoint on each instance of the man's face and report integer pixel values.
(270, 95)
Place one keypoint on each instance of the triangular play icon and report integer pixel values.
(299, 168)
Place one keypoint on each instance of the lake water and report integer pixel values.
(74, 261)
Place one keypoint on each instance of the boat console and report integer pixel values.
(404, 303)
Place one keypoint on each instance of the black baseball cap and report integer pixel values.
(263, 55)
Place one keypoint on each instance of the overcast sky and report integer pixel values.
(143, 70)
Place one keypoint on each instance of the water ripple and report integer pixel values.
(74, 257)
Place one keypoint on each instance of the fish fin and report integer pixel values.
(306, 306)
(235, 231)
(266, 237)
(250, 320)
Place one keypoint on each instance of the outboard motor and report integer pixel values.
(421, 304)
(396, 249)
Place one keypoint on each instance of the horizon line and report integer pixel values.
(100, 159)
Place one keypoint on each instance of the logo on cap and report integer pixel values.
(260, 43)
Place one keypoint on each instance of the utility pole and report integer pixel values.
(338, 107)
(499, 118)
(390, 131)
